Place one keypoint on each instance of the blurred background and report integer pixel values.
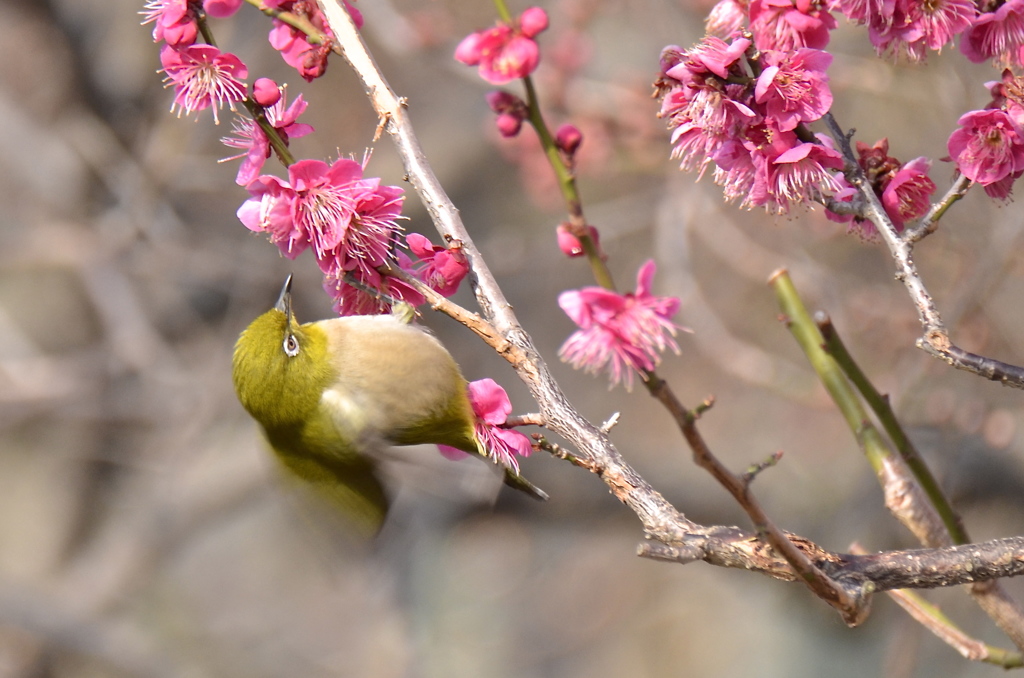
(144, 530)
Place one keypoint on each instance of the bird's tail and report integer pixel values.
(516, 481)
(351, 485)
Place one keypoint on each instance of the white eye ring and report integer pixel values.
(291, 345)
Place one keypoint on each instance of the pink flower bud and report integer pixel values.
(503, 102)
(221, 8)
(266, 92)
(509, 124)
(570, 244)
(568, 138)
(532, 21)
(468, 51)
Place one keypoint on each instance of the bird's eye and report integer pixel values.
(291, 345)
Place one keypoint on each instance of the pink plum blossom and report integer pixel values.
(253, 141)
(786, 25)
(907, 196)
(988, 146)
(703, 124)
(726, 17)
(440, 268)
(174, 21)
(904, 189)
(492, 406)
(793, 87)
(703, 110)
(710, 55)
(920, 25)
(368, 241)
(620, 333)
(801, 174)
(203, 77)
(997, 35)
(506, 51)
(736, 172)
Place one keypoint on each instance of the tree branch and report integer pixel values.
(845, 578)
(936, 340)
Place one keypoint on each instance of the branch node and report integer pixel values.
(703, 407)
(754, 469)
(610, 423)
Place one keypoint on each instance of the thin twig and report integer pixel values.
(853, 604)
(930, 221)
(936, 338)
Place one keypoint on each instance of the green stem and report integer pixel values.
(993, 655)
(299, 23)
(204, 29)
(567, 185)
(259, 114)
(880, 405)
(503, 12)
(807, 334)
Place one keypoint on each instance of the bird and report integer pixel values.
(329, 393)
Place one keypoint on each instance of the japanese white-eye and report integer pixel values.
(328, 392)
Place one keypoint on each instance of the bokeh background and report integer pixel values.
(144, 530)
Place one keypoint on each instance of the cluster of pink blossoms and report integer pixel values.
(205, 77)
(348, 220)
(747, 126)
(915, 26)
(911, 26)
(351, 224)
(506, 51)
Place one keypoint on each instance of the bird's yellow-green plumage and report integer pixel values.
(326, 392)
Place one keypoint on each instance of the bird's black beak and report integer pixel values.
(284, 302)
